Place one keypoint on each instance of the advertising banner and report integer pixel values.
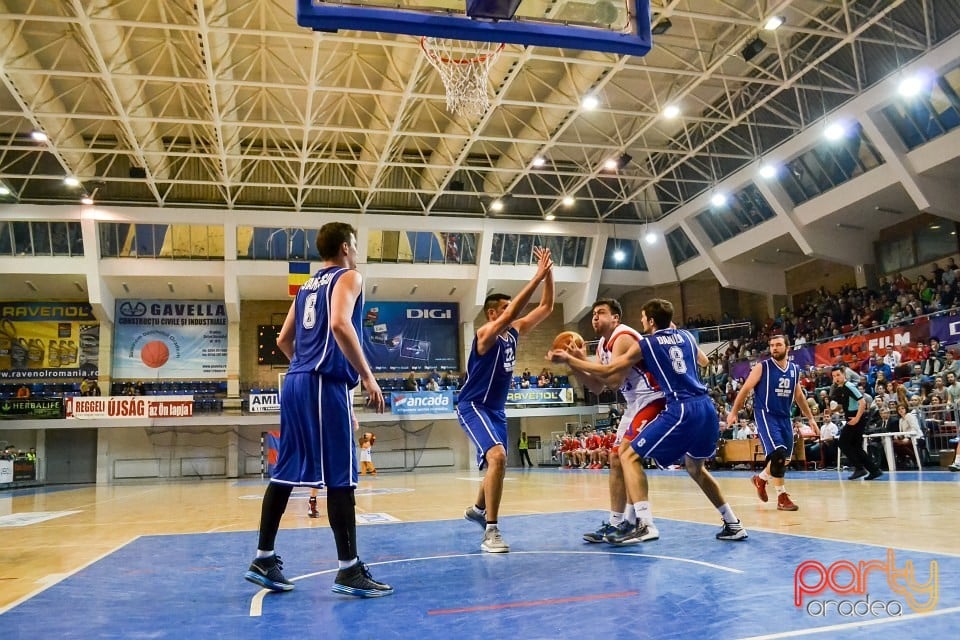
(945, 329)
(110, 407)
(412, 336)
(184, 339)
(409, 402)
(264, 403)
(31, 408)
(540, 396)
(24, 469)
(802, 356)
(857, 348)
(40, 340)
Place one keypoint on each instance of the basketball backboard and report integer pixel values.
(611, 26)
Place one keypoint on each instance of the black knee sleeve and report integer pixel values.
(778, 463)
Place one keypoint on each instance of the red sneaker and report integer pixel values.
(784, 503)
(312, 509)
(761, 486)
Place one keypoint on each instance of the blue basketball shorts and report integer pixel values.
(687, 428)
(485, 427)
(774, 432)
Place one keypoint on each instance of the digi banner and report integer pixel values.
(100, 407)
(411, 336)
(945, 329)
(540, 396)
(264, 403)
(33, 408)
(41, 340)
(856, 348)
(184, 339)
(409, 402)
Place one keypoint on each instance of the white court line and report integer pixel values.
(52, 579)
(858, 624)
(256, 603)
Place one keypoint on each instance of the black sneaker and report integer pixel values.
(357, 581)
(597, 536)
(874, 475)
(634, 535)
(857, 474)
(267, 573)
(732, 532)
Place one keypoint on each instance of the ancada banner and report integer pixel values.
(100, 407)
(858, 347)
(264, 403)
(540, 396)
(410, 402)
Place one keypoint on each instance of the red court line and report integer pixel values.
(534, 603)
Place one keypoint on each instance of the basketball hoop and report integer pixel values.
(464, 66)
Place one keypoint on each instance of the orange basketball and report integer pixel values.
(155, 354)
(567, 337)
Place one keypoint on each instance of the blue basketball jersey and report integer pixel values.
(774, 393)
(489, 376)
(670, 355)
(315, 348)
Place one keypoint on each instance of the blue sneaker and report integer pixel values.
(598, 535)
(357, 581)
(267, 573)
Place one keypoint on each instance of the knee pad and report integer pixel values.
(778, 463)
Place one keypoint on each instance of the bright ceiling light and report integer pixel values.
(767, 171)
(650, 237)
(773, 23)
(567, 201)
(549, 217)
(496, 205)
(87, 200)
(834, 131)
(70, 181)
(619, 255)
(539, 161)
(718, 199)
(4, 191)
(911, 86)
(590, 102)
(671, 111)
(611, 164)
(39, 136)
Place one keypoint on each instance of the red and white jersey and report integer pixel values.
(638, 389)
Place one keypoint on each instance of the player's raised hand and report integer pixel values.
(544, 261)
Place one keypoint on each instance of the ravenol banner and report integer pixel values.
(41, 340)
(184, 339)
(540, 396)
(411, 336)
(409, 402)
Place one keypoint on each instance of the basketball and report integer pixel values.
(155, 354)
(567, 337)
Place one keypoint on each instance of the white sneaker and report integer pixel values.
(954, 467)
(493, 542)
(651, 534)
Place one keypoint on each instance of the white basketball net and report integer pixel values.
(464, 66)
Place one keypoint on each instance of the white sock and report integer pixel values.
(764, 475)
(644, 514)
(265, 554)
(482, 512)
(727, 514)
(630, 515)
(492, 527)
(346, 564)
(616, 518)
(781, 489)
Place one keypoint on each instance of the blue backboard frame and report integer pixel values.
(323, 16)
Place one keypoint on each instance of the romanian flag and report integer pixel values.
(299, 273)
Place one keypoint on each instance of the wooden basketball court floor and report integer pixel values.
(165, 560)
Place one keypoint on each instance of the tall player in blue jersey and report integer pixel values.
(689, 426)
(321, 337)
(480, 407)
(775, 385)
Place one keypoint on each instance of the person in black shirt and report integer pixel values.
(853, 405)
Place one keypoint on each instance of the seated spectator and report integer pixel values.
(543, 380)
(23, 391)
(524, 383)
(139, 389)
(410, 383)
(909, 426)
(93, 388)
(825, 449)
(432, 385)
(951, 389)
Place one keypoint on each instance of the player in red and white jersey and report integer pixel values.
(644, 402)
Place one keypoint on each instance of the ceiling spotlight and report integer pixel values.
(39, 136)
(549, 217)
(452, 291)
(610, 164)
(496, 205)
(4, 191)
(413, 289)
(31, 286)
(911, 86)
(661, 27)
(619, 255)
(590, 102)
(650, 237)
(767, 171)
(773, 23)
(896, 212)
(170, 286)
(671, 111)
(126, 287)
(718, 199)
(753, 48)
(71, 181)
(79, 286)
(834, 131)
(87, 200)
(539, 161)
(851, 227)
(567, 201)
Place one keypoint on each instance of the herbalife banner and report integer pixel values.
(31, 408)
(540, 396)
(40, 340)
(410, 402)
(185, 339)
(412, 336)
